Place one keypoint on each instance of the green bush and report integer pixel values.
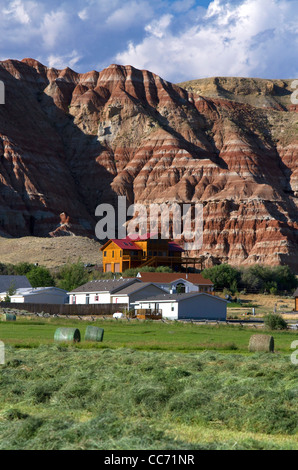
(39, 276)
(275, 322)
(223, 276)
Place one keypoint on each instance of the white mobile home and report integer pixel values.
(196, 306)
(113, 291)
(40, 295)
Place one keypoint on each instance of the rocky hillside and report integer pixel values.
(50, 252)
(71, 141)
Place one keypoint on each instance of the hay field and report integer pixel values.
(61, 398)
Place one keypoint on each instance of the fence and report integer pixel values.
(54, 309)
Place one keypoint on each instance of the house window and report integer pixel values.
(105, 254)
(97, 298)
(172, 308)
(113, 254)
(121, 254)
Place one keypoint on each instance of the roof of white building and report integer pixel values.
(105, 285)
(18, 282)
(131, 289)
(179, 297)
(37, 290)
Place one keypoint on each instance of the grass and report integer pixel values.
(66, 398)
(263, 304)
(146, 336)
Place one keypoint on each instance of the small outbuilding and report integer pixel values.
(191, 306)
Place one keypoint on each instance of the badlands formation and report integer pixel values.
(71, 141)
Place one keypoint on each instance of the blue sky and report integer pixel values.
(177, 39)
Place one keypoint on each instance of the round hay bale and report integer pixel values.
(66, 335)
(94, 334)
(261, 343)
(9, 317)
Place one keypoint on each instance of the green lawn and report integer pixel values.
(147, 386)
(143, 335)
(53, 397)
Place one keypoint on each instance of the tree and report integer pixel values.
(72, 276)
(22, 269)
(11, 291)
(264, 278)
(223, 276)
(39, 276)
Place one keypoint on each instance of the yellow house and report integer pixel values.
(120, 255)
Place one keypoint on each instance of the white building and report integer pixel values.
(113, 291)
(178, 282)
(40, 295)
(192, 306)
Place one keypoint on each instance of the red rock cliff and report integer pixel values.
(71, 141)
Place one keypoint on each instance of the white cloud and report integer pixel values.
(63, 61)
(83, 14)
(17, 10)
(129, 13)
(183, 5)
(54, 25)
(158, 28)
(251, 38)
(177, 39)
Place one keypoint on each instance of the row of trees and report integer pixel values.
(67, 277)
(259, 278)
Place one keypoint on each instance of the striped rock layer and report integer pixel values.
(72, 141)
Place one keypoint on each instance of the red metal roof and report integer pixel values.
(127, 244)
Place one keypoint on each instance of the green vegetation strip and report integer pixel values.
(142, 335)
(66, 398)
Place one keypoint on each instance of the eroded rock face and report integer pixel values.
(72, 141)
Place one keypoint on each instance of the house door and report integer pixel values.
(117, 267)
(87, 299)
(108, 268)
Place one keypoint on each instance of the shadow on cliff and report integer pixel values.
(90, 180)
